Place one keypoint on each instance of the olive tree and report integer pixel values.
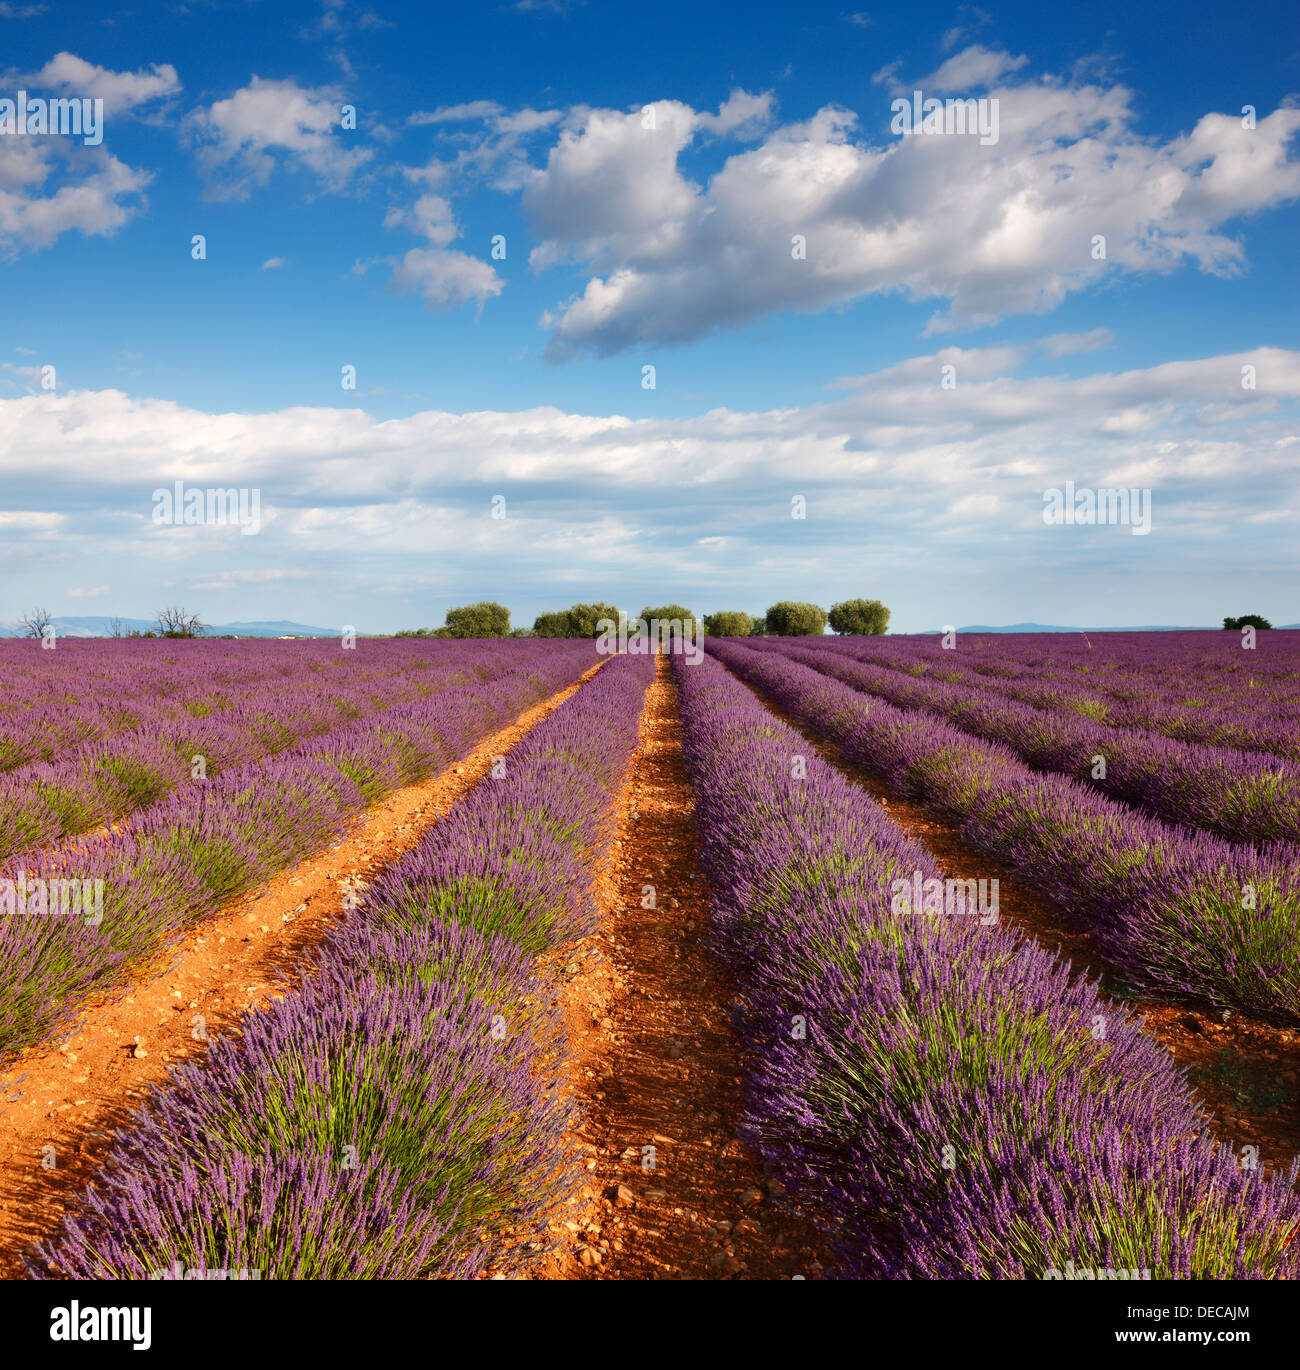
(791, 618)
(728, 623)
(487, 618)
(859, 617)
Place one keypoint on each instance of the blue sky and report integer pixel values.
(668, 246)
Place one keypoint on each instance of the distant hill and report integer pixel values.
(277, 628)
(97, 626)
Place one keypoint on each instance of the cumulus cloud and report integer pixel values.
(445, 279)
(740, 115)
(611, 191)
(121, 91)
(593, 145)
(442, 276)
(241, 140)
(51, 186)
(488, 140)
(992, 230)
(96, 194)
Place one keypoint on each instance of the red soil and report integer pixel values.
(656, 1063)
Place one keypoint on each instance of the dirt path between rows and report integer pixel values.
(656, 1070)
(60, 1107)
(1246, 1071)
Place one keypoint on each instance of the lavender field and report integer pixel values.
(954, 1104)
(469, 1071)
(193, 771)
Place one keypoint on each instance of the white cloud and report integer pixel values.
(26, 378)
(487, 137)
(430, 216)
(35, 521)
(740, 115)
(972, 18)
(272, 263)
(908, 486)
(611, 190)
(456, 114)
(992, 230)
(51, 186)
(1071, 344)
(891, 429)
(93, 593)
(445, 279)
(970, 69)
(442, 276)
(338, 17)
(241, 140)
(121, 91)
(96, 193)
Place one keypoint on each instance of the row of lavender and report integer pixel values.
(1190, 915)
(1242, 796)
(186, 856)
(1196, 691)
(942, 1096)
(167, 748)
(55, 703)
(52, 701)
(401, 1116)
(1122, 660)
(1180, 680)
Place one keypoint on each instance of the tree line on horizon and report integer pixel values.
(487, 618)
(788, 618)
